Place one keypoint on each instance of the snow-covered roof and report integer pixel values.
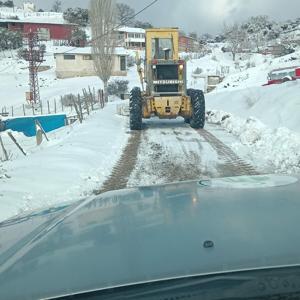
(86, 50)
(37, 21)
(131, 29)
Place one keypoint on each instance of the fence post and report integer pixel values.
(48, 104)
(91, 98)
(80, 107)
(15, 141)
(41, 106)
(86, 105)
(55, 106)
(77, 111)
(102, 99)
(24, 111)
(3, 148)
(62, 103)
(99, 98)
(37, 123)
(32, 109)
(12, 111)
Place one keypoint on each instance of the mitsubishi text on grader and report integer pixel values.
(164, 74)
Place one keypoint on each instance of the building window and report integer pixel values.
(123, 63)
(131, 35)
(87, 57)
(69, 56)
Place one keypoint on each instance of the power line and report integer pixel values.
(142, 10)
(116, 27)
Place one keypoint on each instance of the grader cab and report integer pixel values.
(164, 74)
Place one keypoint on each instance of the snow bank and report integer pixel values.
(275, 105)
(76, 161)
(278, 148)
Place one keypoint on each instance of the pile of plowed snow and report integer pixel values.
(266, 119)
(278, 149)
(274, 105)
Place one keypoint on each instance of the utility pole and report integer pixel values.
(34, 54)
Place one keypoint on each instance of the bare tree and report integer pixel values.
(102, 18)
(236, 38)
(56, 6)
(125, 14)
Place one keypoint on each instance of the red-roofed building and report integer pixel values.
(188, 44)
(47, 31)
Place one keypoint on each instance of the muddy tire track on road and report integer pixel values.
(234, 165)
(121, 172)
(173, 153)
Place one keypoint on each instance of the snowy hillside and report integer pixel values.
(241, 92)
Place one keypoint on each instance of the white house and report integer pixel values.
(78, 62)
(131, 38)
(29, 7)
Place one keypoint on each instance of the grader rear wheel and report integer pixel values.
(198, 108)
(135, 109)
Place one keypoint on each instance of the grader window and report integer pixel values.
(162, 48)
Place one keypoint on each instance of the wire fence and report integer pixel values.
(89, 100)
(76, 107)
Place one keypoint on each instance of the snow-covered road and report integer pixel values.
(170, 151)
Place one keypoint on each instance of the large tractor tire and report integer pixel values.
(198, 108)
(135, 109)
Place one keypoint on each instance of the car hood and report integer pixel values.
(151, 233)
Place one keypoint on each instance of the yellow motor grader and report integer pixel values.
(165, 95)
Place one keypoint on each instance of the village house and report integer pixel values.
(78, 62)
(134, 38)
(131, 38)
(188, 44)
(46, 30)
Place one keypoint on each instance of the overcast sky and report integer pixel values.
(198, 15)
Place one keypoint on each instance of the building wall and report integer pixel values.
(188, 44)
(132, 40)
(56, 31)
(82, 66)
(15, 26)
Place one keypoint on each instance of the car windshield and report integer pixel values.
(147, 143)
